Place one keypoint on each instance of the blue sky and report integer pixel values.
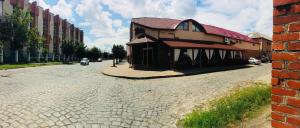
(106, 22)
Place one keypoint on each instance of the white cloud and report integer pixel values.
(103, 28)
(242, 16)
(104, 43)
(117, 23)
(62, 8)
(152, 8)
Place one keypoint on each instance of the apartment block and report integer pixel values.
(46, 28)
(52, 27)
(57, 37)
(8, 5)
(40, 20)
(77, 32)
(81, 36)
(51, 34)
(72, 32)
(34, 11)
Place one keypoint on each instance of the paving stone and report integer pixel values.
(81, 97)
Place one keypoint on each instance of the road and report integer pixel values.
(80, 96)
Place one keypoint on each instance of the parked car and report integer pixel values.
(99, 60)
(265, 59)
(254, 61)
(84, 61)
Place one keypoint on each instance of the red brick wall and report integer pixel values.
(286, 64)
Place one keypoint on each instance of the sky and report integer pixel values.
(107, 22)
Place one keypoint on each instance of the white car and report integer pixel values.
(254, 61)
(84, 61)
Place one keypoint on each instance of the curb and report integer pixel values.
(142, 78)
(216, 69)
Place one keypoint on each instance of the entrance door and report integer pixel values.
(147, 54)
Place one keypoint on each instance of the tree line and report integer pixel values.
(80, 50)
(18, 32)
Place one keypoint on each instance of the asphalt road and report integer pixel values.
(80, 96)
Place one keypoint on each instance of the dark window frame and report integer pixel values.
(196, 28)
(139, 30)
(183, 26)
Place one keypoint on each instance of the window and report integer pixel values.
(139, 31)
(196, 28)
(183, 26)
(1, 8)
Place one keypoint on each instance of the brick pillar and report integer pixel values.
(286, 64)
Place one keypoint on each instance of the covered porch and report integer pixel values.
(187, 55)
(147, 53)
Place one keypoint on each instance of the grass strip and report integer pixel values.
(229, 109)
(15, 66)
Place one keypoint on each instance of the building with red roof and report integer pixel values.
(173, 43)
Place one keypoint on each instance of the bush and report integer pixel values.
(230, 108)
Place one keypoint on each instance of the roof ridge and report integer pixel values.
(157, 18)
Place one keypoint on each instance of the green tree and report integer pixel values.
(106, 55)
(35, 42)
(18, 24)
(94, 53)
(5, 35)
(68, 49)
(80, 50)
(118, 52)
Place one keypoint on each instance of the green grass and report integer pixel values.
(235, 107)
(15, 66)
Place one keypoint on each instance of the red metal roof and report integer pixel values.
(184, 44)
(164, 23)
(158, 23)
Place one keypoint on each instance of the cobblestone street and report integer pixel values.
(80, 96)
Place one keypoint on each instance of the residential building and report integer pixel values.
(265, 41)
(51, 34)
(64, 29)
(77, 34)
(50, 26)
(81, 36)
(72, 30)
(34, 11)
(172, 43)
(68, 31)
(57, 37)
(46, 29)
(40, 20)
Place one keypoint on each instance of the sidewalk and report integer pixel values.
(123, 71)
